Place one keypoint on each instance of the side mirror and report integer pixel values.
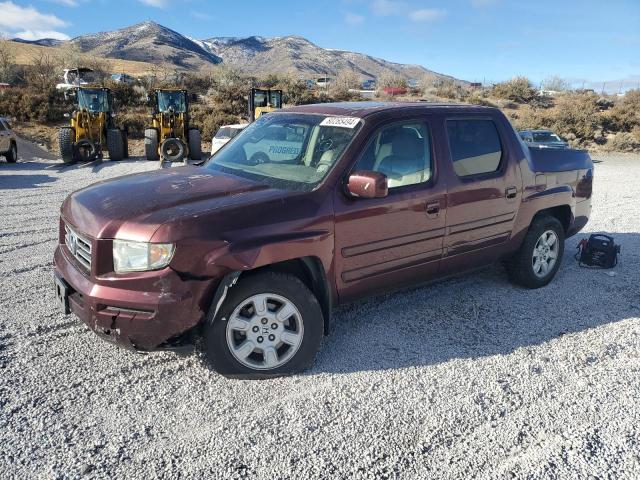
(367, 184)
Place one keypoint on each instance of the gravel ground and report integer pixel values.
(468, 378)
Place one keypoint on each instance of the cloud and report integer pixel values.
(155, 3)
(67, 3)
(484, 3)
(354, 19)
(427, 15)
(201, 15)
(29, 23)
(386, 8)
(39, 34)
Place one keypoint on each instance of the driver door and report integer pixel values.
(387, 243)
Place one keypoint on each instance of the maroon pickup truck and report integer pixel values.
(311, 207)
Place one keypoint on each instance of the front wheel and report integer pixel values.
(12, 154)
(66, 140)
(115, 144)
(540, 256)
(269, 325)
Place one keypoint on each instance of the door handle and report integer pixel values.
(511, 192)
(433, 209)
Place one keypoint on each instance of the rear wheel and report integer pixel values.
(125, 142)
(269, 325)
(115, 144)
(12, 154)
(540, 255)
(195, 144)
(151, 144)
(66, 140)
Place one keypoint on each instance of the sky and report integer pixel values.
(588, 42)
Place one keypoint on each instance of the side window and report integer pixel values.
(402, 152)
(475, 146)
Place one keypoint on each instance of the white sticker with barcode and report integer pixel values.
(344, 122)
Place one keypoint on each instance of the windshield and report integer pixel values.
(94, 100)
(172, 100)
(546, 137)
(290, 151)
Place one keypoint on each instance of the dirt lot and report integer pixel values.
(468, 378)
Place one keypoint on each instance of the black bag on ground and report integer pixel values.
(599, 251)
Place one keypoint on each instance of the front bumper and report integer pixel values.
(140, 312)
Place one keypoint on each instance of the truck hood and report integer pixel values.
(134, 206)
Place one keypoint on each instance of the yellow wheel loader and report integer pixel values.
(92, 127)
(171, 136)
(263, 101)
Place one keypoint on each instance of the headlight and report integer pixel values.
(140, 256)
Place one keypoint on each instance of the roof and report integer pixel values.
(364, 109)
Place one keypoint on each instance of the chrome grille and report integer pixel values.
(79, 246)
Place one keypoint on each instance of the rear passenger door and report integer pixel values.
(483, 192)
(386, 243)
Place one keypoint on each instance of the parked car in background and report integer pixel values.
(323, 82)
(543, 139)
(248, 254)
(123, 78)
(369, 84)
(224, 134)
(8, 142)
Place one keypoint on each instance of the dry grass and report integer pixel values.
(25, 54)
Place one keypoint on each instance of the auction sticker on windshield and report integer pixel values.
(344, 122)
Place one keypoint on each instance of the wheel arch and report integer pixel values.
(562, 213)
(308, 269)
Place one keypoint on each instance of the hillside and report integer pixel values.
(147, 42)
(259, 55)
(25, 53)
(153, 43)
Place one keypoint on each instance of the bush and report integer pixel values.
(625, 114)
(518, 90)
(29, 105)
(623, 142)
(209, 119)
(135, 121)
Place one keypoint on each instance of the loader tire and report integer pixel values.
(125, 142)
(172, 150)
(115, 144)
(151, 144)
(66, 139)
(195, 144)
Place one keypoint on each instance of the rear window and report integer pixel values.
(475, 146)
(223, 133)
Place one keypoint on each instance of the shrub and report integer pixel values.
(29, 105)
(518, 89)
(623, 142)
(625, 114)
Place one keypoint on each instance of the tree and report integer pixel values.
(390, 79)
(7, 61)
(44, 71)
(556, 84)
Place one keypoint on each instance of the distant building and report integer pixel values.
(475, 85)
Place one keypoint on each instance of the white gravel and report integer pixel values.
(470, 378)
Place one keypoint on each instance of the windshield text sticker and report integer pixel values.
(344, 122)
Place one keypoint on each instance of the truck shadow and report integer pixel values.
(15, 182)
(480, 315)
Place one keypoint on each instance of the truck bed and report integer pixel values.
(551, 160)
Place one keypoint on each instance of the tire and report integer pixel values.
(259, 158)
(151, 144)
(195, 144)
(304, 325)
(12, 154)
(125, 143)
(85, 151)
(115, 144)
(522, 267)
(172, 150)
(67, 139)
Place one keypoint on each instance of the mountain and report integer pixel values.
(259, 55)
(153, 43)
(43, 42)
(147, 42)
